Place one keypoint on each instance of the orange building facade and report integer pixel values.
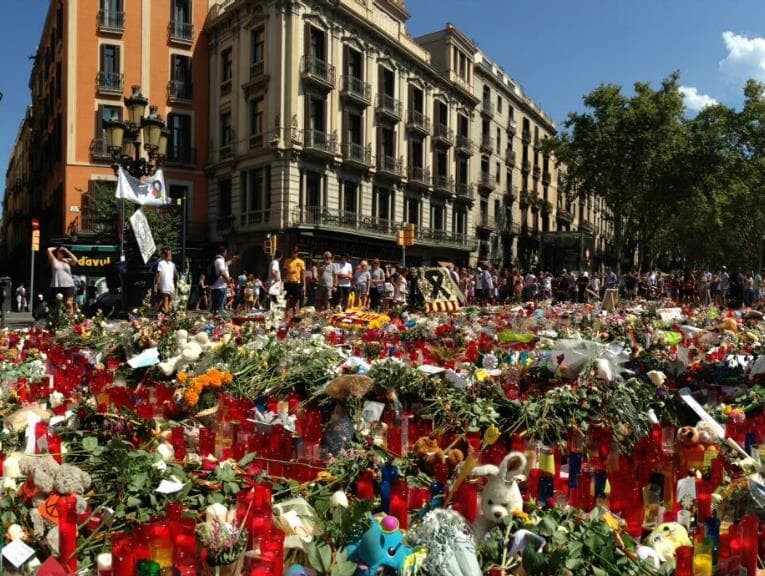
(90, 55)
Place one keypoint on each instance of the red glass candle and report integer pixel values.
(749, 543)
(261, 568)
(262, 497)
(272, 549)
(466, 501)
(174, 511)
(178, 440)
(704, 501)
(206, 442)
(243, 505)
(394, 437)
(67, 531)
(399, 503)
(54, 446)
(123, 561)
(260, 526)
(365, 486)
(684, 561)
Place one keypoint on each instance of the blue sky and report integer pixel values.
(557, 49)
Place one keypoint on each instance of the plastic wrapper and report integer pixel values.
(742, 497)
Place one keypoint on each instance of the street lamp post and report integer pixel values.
(122, 140)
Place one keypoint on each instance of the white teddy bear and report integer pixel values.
(501, 495)
(188, 351)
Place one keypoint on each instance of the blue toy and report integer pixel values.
(296, 570)
(381, 545)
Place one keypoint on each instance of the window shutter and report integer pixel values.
(99, 126)
(117, 66)
(380, 147)
(381, 79)
(346, 127)
(346, 60)
(102, 57)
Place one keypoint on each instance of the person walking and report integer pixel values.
(275, 278)
(220, 280)
(21, 298)
(61, 261)
(294, 280)
(164, 281)
(748, 291)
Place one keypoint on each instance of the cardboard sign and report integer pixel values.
(143, 236)
(440, 292)
(670, 314)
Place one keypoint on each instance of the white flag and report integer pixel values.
(143, 235)
(150, 191)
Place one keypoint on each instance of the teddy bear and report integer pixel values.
(501, 495)
(427, 451)
(188, 350)
(703, 434)
(46, 479)
(349, 385)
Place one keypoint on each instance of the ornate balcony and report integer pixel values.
(357, 155)
(537, 172)
(546, 178)
(512, 126)
(443, 184)
(390, 166)
(487, 144)
(511, 194)
(318, 73)
(487, 182)
(111, 21)
(484, 222)
(464, 145)
(586, 227)
(416, 121)
(526, 167)
(255, 219)
(419, 177)
(564, 215)
(443, 135)
(181, 155)
(487, 107)
(319, 143)
(180, 32)
(465, 192)
(389, 107)
(546, 206)
(111, 83)
(510, 158)
(440, 237)
(180, 91)
(352, 222)
(356, 90)
(99, 151)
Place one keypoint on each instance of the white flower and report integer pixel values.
(59, 296)
(160, 465)
(9, 484)
(15, 532)
(657, 377)
(166, 452)
(340, 499)
(216, 511)
(56, 399)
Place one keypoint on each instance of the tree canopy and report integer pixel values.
(681, 191)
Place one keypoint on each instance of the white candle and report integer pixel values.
(215, 512)
(104, 564)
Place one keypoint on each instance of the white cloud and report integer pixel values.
(694, 100)
(745, 59)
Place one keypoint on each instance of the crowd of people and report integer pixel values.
(335, 282)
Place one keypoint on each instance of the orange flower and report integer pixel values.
(182, 377)
(228, 378)
(191, 397)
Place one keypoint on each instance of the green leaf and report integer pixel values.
(90, 443)
(246, 459)
(343, 566)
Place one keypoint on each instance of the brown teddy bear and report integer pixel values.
(430, 454)
(349, 386)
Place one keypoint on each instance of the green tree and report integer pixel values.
(621, 149)
(165, 222)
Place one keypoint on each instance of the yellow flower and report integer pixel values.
(522, 515)
(481, 374)
(491, 435)
(228, 378)
(324, 476)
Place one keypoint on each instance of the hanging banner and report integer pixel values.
(440, 292)
(143, 235)
(150, 191)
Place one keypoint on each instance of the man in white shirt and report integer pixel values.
(275, 278)
(343, 276)
(220, 280)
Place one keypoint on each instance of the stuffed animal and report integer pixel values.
(188, 350)
(501, 495)
(427, 451)
(703, 434)
(666, 538)
(382, 545)
(349, 385)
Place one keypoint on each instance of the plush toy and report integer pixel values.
(382, 545)
(188, 350)
(349, 385)
(501, 495)
(427, 451)
(666, 538)
(46, 480)
(703, 434)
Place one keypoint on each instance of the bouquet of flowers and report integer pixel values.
(225, 545)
